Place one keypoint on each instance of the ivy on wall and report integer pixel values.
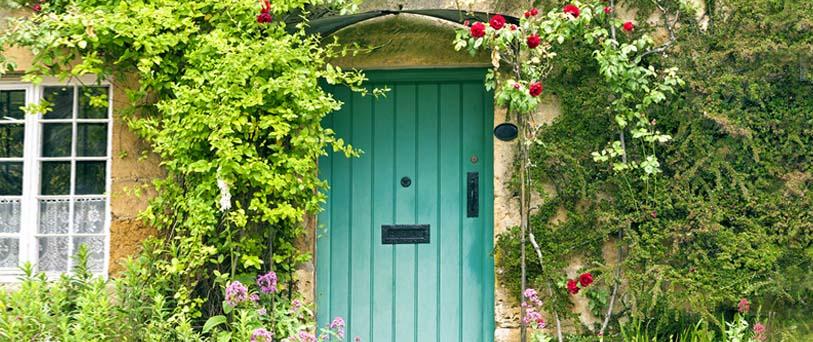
(730, 216)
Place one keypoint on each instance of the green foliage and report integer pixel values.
(730, 215)
(233, 109)
(76, 307)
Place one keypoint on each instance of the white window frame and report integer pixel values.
(32, 148)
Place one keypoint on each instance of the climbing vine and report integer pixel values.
(228, 96)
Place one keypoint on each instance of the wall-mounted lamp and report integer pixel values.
(506, 131)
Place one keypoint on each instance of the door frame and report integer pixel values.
(439, 75)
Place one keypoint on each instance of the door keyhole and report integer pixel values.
(406, 182)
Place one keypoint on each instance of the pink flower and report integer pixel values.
(608, 10)
(338, 324)
(743, 306)
(759, 332)
(466, 22)
(572, 10)
(305, 336)
(628, 26)
(527, 14)
(517, 86)
(36, 8)
(478, 30)
(533, 41)
(262, 335)
(535, 89)
(497, 22)
(585, 279)
(267, 282)
(572, 286)
(513, 27)
(236, 293)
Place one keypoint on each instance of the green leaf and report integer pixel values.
(213, 322)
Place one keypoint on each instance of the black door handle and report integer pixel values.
(473, 194)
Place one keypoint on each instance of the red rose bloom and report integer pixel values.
(628, 26)
(572, 10)
(478, 30)
(497, 22)
(264, 17)
(572, 286)
(535, 89)
(585, 279)
(533, 41)
(527, 14)
(608, 10)
(36, 8)
(534, 12)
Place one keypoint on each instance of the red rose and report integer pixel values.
(513, 27)
(535, 89)
(572, 10)
(628, 26)
(497, 22)
(608, 10)
(36, 8)
(585, 279)
(572, 286)
(534, 12)
(517, 86)
(466, 22)
(527, 14)
(478, 30)
(533, 41)
(264, 17)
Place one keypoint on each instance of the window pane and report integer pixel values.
(11, 178)
(89, 216)
(53, 254)
(11, 102)
(90, 178)
(9, 252)
(56, 140)
(95, 246)
(11, 140)
(9, 216)
(56, 178)
(54, 216)
(61, 100)
(93, 103)
(91, 140)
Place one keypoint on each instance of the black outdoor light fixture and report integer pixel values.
(506, 131)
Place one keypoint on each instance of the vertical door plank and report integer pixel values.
(360, 247)
(426, 185)
(323, 235)
(341, 202)
(383, 213)
(405, 143)
(472, 230)
(452, 211)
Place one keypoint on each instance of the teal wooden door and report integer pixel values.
(433, 127)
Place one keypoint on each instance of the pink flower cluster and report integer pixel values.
(532, 304)
(267, 282)
(236, 293)
(262, 335)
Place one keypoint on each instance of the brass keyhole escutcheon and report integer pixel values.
(474, 159)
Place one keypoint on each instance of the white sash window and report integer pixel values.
(54, 177)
